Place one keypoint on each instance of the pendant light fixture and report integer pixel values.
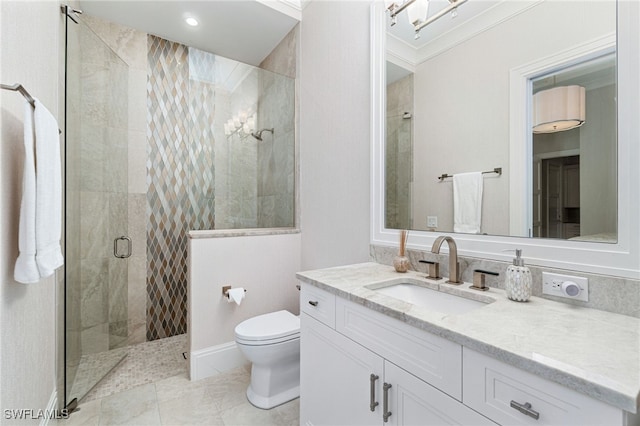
(558, 109)
(417, 12)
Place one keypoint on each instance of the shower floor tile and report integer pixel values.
(92, 368)
(146, 363)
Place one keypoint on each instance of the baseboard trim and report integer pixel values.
(214, 360)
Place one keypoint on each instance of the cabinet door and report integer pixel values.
(414, 402)
(335, 385)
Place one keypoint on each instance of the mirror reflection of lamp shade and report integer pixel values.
(558, 109)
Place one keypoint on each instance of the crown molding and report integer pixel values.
(291, 8)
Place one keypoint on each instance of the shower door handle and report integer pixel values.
(115, 247)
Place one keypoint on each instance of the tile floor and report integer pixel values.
(139, 399)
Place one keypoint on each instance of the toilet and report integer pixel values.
(272, 343)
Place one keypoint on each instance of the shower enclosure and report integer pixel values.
(96, 242)
(169, 140)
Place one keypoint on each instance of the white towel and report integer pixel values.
(26, 270)
(41, 207)
(48, 192)
(467, 202)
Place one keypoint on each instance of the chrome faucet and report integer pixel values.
(454, 266)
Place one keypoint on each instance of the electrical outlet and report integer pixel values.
(566, 286)
(432, 221)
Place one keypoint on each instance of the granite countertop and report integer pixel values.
(594, 352)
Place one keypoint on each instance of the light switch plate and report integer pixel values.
(552, 284)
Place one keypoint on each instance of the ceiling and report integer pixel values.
(244, 30)
(473, 17)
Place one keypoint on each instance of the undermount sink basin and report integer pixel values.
(427, 298)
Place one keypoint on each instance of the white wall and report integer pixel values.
(30, 42)
(598, 164)
(265, 265)
(334, 133)
(468, 128)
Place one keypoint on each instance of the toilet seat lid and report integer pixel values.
(268, 326)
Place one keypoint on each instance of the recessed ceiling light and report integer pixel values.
(191, 21)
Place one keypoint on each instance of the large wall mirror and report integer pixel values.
(462, 111)
(467, 128)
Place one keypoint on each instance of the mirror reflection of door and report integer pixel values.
(552, 198)
(559, 197)
(573, 170)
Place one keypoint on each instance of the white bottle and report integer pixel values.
(518, 281)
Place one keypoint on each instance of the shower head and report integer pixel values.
(258, 134)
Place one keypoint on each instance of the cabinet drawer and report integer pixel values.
(490, 386)
(433, 359)
(319, 304)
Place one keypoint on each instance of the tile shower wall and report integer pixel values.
(399, 155)
(236, 154)
(276, 154)
(611, 294)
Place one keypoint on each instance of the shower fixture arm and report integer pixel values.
(258, 134)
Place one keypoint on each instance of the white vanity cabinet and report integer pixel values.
(348, 377)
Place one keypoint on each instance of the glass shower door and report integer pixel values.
(96, 242)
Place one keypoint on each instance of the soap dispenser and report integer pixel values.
(518, 281)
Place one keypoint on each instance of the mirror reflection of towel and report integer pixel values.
(467, 202)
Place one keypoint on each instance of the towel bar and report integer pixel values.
(497, 170)
(20, 88)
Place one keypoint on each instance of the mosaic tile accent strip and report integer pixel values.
(202, 115)
(168, 205)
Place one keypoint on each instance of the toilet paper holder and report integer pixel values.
(225, 290)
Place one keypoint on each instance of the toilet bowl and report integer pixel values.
(272, 343)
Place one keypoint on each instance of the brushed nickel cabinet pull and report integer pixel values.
(525, 409)
(385, 402)
(372, 401)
